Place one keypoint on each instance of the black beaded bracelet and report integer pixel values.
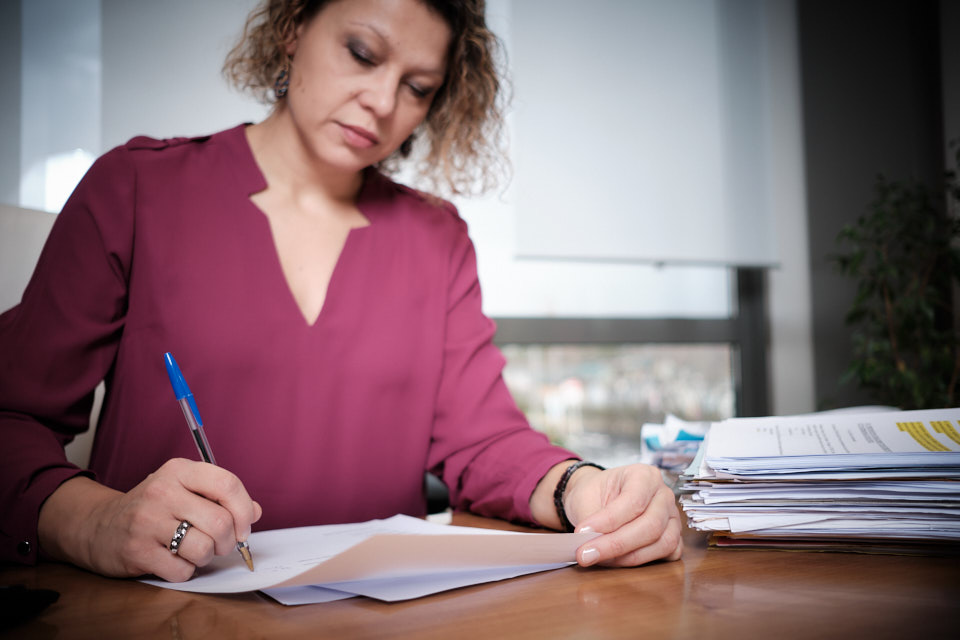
(565, 523)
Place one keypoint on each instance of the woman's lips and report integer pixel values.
(358, 136)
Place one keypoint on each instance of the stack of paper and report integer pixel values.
(876, 482)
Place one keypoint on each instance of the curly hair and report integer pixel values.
(460, 145)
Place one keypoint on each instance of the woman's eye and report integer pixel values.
(419, 91)
(361, 54)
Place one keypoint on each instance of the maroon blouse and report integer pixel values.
(160, 249)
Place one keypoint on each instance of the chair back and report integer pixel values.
(23, 233)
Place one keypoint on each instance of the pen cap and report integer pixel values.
(180, 388)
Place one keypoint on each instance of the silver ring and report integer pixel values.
(178, 537)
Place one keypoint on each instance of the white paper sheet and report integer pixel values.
(836, 442)
(397, 558)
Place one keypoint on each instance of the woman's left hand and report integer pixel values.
(633, 509)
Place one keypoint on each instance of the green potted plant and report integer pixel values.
(904, 255)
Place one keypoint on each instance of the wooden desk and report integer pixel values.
(709, 594)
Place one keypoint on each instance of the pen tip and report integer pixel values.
(244, 550)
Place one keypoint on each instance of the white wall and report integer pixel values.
(60, 101)
(791, 334)
(641, 130)
(161, 68)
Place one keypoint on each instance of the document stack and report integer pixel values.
(886, 482)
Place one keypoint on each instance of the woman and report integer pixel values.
(328, 320)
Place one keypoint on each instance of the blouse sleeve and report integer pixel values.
(58, 343)
(483, 447)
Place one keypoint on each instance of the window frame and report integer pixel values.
(746, 331)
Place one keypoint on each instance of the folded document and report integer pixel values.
(394, 559)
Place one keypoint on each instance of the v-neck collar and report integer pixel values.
(251, 178)
(374, 192)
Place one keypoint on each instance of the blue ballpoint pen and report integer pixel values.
(192, 414)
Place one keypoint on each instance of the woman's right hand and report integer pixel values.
(128, 534)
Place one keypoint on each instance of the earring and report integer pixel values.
(282, 84)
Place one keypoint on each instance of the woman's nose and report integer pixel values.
(380, 94)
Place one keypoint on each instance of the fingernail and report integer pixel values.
(586, 529)
(589, 557)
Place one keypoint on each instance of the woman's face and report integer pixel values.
(362, 78)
